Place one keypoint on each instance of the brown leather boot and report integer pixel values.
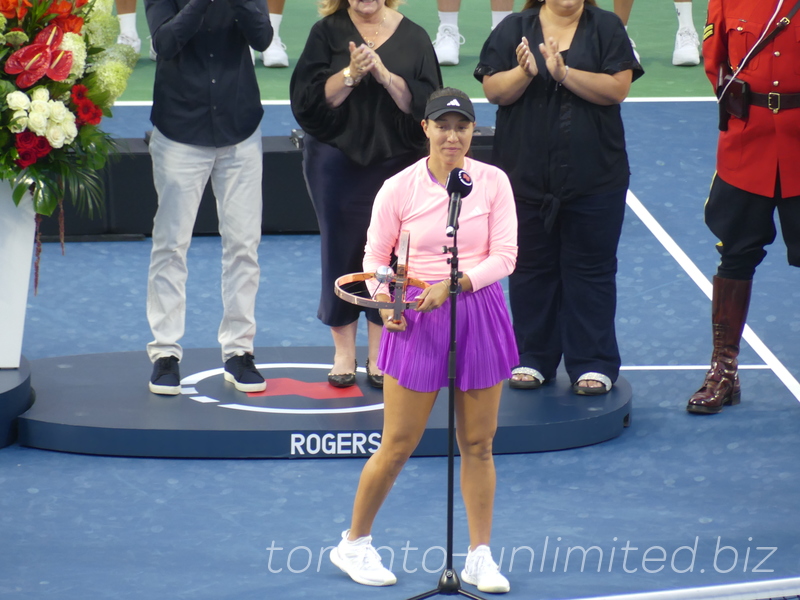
(729, 304)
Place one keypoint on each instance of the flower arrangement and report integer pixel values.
(60, 72)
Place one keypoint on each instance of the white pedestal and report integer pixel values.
(17, 227)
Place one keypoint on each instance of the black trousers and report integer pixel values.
(342, 193)
(563, 292)
(744, 223)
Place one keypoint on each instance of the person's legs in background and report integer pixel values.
(180, 173)
(590, 230)
(622, 8)
(275, 56)
(126, 13)
(534, 290)
(744, 223)
(687, 42)
(448, 39)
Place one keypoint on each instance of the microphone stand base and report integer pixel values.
(449, 585)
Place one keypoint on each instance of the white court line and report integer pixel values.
(705, 285)
(775, 588)
(683, 367)
(474, 100)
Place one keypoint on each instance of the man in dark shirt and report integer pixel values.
(206, 116)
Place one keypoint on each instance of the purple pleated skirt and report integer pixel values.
(485, 347)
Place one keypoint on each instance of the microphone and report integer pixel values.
(458, 186)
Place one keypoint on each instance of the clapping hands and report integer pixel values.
(363, 60)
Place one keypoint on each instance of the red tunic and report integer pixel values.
(752, 154)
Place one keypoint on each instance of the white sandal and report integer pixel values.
(526, 384)
(593, 391)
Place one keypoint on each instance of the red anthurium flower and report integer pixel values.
(60, 66)
(31, 63)
(50, 35)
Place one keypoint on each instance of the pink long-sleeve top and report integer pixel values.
(412, 200)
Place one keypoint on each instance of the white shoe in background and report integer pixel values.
(447, 44)
(635, 53)
(275, 56)
(687, 48)
(133, 42)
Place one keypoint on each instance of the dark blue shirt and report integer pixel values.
(551, 141)
(205, 90)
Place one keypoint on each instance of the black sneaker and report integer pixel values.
(242, 373)
(166, 377)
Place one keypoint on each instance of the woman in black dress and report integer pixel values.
(358, 91)
(558, 71)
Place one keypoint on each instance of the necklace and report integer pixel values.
(371, 43)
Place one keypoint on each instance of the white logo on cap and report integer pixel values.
(453, 102)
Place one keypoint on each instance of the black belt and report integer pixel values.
(774, 101)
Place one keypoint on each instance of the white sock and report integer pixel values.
(364, 539)
(499, 15)
(275, 21)
(127, 25)
(449, 19)
(684, 10)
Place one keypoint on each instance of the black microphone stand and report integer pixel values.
(449, 583)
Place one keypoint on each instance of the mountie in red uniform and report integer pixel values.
(758, 167)
(752, 153)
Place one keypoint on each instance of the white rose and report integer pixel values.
(37, 123)
(56, 136)
(58, 112)
(40, 107)
(18, 101)
(19, 121)
(40, 93)
(70, 130)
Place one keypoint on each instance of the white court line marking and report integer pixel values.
(705, 285)
(683, 367)
(775, 588)
(474, 101)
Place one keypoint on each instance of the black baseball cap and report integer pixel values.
(445, 104)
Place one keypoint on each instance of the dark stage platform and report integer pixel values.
(99, 404)
(15, 398)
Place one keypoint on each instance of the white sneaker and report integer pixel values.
(275, 56)
(133, 42)
(687, 48)
(447, 43)
(482, 572)
(361, 561)
(635, 53)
